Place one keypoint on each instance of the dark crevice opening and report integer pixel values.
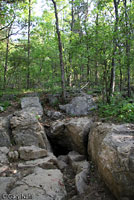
(58, 149)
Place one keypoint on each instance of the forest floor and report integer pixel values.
(97, 190)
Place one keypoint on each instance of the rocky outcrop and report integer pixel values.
(5, 132)
(112, 148)
(42, 184)
(27, 130)
(81, 105)
(71, 134)
(31, 152)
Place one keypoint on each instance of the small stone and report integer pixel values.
(1, 109)
(61, 164)
(13, 155)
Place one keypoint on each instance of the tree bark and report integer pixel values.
(60, 52)
(6, 58)
(6, 62)
(96, 62)
(127, 49)
(28, 52)
(112, 81)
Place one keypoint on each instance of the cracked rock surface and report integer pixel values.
(42, 184)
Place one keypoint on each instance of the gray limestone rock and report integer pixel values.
(49, 162)
(3, 155)
(54, 115)
(81, 182)
(31, 152)
(13, 155)
(81, 105)
(5, 185)
(42, 184)
(71, 134)
(75, 156)
(112, 148)
(27, 130)
(32, 104)
(5, 132)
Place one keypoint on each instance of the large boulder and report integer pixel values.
(81, 105)
(112, 148)
(71, 134)
(5, 132)
(42, 185)
(32, 104)
(27, 130)
(77, 130)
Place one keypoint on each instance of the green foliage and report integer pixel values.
(118, 110)
(87, 48)
(5, 105)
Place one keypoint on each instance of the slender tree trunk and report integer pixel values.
(60, 52)
(127, 49)
(6, 63)
(87, 44)
(6, 59)
(29, 26)
(112, 81)
(96, 62)
(70, 57)
(88, 65)
(120, 68)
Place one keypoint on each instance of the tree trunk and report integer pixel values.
(29, 25)
(127, 49)
(112, 81)
(6, 63)
(96, 62)
(60, 52)
(120, 68)
(6, 59)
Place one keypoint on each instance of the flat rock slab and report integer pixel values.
(49, 162)
(31, 152)
(32, 104)
(42, 185)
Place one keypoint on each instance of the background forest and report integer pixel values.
(70, 44)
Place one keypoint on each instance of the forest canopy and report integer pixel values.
(67, 43)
